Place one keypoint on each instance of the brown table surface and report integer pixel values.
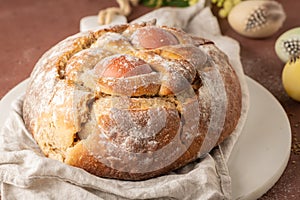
(29, 28)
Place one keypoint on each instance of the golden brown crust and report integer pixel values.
(136, 127)
(148, 84)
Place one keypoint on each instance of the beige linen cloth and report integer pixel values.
(25, 173)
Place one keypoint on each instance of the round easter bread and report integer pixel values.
(132, 101)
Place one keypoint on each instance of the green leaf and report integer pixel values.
(177, 3)
(152, 3)
(160, 3)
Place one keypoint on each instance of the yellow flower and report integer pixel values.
(159, 3)
(192, 2)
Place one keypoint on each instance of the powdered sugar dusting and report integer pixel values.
(113, 42)
(213, 81)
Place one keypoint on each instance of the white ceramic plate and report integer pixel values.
(261, 153)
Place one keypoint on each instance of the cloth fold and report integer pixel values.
(25, 173)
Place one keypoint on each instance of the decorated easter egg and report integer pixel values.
(287, 46)
(257, 18)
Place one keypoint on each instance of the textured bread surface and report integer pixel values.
(119, 106)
